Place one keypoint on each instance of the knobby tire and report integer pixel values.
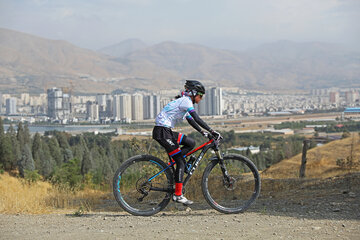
(132, 190)
(237, 195)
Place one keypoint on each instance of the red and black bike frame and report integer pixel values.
(212, 143)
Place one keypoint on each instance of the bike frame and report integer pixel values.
(214, 144)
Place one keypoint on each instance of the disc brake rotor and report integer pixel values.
(231, 184)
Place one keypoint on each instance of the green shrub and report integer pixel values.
(68, 176)
(31, 176)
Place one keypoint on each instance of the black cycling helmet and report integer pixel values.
(195, 86)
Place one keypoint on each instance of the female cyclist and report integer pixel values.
(177, 110)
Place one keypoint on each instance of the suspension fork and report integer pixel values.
(222, 165)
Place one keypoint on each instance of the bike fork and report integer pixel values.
(222, 166)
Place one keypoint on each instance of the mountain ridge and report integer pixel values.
(30, 63)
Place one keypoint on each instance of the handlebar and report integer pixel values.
(218, 139)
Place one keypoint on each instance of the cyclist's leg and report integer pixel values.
(168, 140)
(187, 142)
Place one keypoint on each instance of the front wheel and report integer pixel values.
(143, 185)
(236, 193)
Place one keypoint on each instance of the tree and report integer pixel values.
(36, 150)
(55, 151)
(26, 162)
(23, 136)
(86, 163)
(7, 157)
(15, 145)
(64, 145)
(68, 176)
(27, 136)
(44, 162)
(47, 162)
(1, 127)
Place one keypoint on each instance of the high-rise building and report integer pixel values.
(217, 104)
(109, 107)
(151, 106)
(351, 96)
(66, 106)
(11, 106)
(122, 107)
(102, 101)
(116, 108)
(125, 109)
(212, 103)
(59, 104)
(25, 98)
(54, 103)
(137, 107)
(92, 111)
(334, 97)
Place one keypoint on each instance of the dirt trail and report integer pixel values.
(329, 217)
(199, 224)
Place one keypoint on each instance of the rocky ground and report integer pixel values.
(326, 209)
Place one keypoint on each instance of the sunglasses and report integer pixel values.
(201, 95)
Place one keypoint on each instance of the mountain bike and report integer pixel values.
(144, 184)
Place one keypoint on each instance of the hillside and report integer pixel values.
(30, 63)
(123, 48)
(321, 161)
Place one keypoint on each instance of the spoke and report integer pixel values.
(136, 194)
(234, 193)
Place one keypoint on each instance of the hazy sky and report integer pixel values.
(228, 24)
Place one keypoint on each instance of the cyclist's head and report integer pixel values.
(194, 87)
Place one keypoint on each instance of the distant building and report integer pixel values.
(334, 97)
(151, 106)
(11, 106)
(104, 101)
(116, 108)
(121, 107)
(109, 107)
(352, 111)
(25, 98)
(351, 97)
(59, 104)
(212, 104)
(125, 109)
(137, 107)
(92, 111)
(252, 149)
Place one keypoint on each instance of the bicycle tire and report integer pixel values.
(236, 196)
(130, 184)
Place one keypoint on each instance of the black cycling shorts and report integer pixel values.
(171, 141)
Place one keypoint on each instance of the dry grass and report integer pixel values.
(321, 161)
(17, 196)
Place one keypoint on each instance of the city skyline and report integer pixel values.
(59, 106)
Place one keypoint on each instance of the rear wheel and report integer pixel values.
(138, 190)
(236, 194)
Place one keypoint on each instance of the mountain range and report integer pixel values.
(30, 63)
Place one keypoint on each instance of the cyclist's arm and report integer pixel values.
(192, 122)
(199, 121)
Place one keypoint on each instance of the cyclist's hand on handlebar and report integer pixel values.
(205, 134)
(215, 134)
